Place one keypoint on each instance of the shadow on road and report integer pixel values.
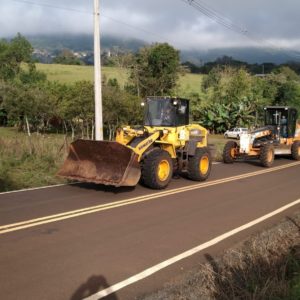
(105, 188)
(256, 162)
(93, 285)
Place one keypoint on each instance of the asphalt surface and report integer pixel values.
(74, 255)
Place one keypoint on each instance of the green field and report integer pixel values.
(188, 83)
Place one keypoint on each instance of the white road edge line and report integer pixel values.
(38, 188)
(168, 262)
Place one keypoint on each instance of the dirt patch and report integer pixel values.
(266, 266)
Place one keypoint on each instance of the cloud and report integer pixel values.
(170, 20)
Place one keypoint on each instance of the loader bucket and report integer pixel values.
(102, 162)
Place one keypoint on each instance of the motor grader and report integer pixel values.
(165, 145)
(279, 136)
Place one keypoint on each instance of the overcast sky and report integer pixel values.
(269, 22)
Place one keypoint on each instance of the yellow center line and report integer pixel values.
(93, 209)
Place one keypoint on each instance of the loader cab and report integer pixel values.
(167, 112)
(283, 119)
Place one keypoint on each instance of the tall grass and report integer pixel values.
(264, 267)
(29, 161)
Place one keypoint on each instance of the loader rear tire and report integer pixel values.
(296, 150)
(266, 156)
(229, 152)
(199, 165)
(157, 169)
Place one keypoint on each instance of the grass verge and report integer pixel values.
(29, 161)
(266, 266)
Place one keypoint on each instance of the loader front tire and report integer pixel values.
(229, 152)
(296, 150)
(266, 156)
(199, 165)
(157, 169)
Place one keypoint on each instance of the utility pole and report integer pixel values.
(97, 74)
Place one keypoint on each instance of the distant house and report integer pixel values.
(261, 75)
(42, 56)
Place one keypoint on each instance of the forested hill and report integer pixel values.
(83, 42)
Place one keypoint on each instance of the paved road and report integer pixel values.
(70, 242)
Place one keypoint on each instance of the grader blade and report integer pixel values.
(102, 162)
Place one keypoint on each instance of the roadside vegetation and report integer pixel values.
(29, 161)
(265, 266)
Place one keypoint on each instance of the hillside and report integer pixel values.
(84, 42)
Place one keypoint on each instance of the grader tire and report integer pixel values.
(199, 165)
(296, 150)
(228, 152)
(267, 155)
(157, 169)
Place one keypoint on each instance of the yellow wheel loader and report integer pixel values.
(280, 136)
(166, 144)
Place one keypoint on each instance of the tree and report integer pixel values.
(77, 108)
(234, 98)
(67, 57)
(282, 87)
(28, 106)
(155, 70)
(12, 54)
(32, 75)
(119, 108)
(122, 60)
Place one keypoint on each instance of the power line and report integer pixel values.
(215, 16)
(240, 26)
(53, 6)
(218, 18)
(136, 28)
(229, 24)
